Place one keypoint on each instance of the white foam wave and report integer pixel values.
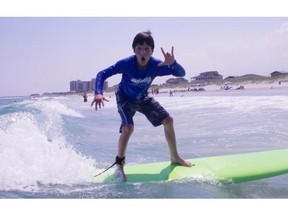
(55, 106)
(29, 157)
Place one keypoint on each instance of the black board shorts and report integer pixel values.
(151, 108)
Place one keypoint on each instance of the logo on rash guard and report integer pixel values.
(147, 80)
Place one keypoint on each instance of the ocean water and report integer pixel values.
(51, 147)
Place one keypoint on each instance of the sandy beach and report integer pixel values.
(250, 85)
(229, 86)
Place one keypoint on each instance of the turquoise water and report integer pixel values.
(51, 147)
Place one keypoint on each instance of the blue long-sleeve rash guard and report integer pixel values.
(135, 83)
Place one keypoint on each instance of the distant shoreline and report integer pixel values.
(247, 84)
(233, 84)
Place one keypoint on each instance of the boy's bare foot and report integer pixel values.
(119, 173)
(179, 160)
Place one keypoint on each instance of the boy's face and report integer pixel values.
(143, 53)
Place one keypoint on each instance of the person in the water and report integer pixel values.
(85, 97)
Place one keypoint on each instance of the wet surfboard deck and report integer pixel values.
(233, 168)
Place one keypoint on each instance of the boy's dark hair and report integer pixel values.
(143, 37)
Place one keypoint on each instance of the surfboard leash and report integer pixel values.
(118, 160)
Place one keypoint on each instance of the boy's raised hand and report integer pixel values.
(168, 57)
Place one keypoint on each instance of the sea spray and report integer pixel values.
(34, 149)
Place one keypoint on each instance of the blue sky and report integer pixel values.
(43, 54)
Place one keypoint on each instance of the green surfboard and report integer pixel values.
(220, 169)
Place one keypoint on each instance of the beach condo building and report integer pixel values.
(207, 77)
(177, 80)
(279, 73)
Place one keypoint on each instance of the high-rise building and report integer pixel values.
(93, 81)
(73, 86)
(85, 86)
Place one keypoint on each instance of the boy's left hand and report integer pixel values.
(168, 57)
(99, 101)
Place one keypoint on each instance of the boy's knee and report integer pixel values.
(168, 121)
(128, 129)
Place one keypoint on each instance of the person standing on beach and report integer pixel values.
(138, 71)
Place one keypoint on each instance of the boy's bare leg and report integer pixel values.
(122, 146)
(171, 140)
